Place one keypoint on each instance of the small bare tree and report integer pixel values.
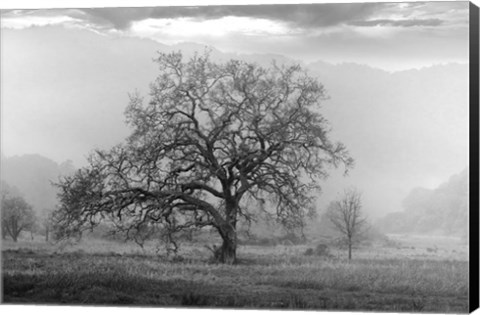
(346, 216)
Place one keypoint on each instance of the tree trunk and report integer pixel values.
(16, 233)
(46, 233)
(349, 250)
(13, 229)
(228, 254)
(228, 251)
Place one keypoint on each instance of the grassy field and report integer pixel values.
(414, 274)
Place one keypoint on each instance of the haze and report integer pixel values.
(67, 74)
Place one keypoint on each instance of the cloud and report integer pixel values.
(305, 15)
(188, 28)
(20, 19)
(399, 23)
(297, 17)
(19, 23)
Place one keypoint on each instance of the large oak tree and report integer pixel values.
(214, 144)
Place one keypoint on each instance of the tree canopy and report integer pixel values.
(214, 144)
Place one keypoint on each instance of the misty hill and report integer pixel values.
(32, 175)
(404, 128)
(439, 211)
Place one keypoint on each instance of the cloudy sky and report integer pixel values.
(392, 36)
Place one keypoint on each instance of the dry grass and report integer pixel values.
(102, 272)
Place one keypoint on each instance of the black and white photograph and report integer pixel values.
(259, 156)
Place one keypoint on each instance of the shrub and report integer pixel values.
(177, 259)
(291, 239)
(319, 250)
(308, 252)
(194, 299)
(322, 250)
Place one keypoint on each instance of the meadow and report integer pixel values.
(405, 273)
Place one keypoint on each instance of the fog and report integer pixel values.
(65, 90)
